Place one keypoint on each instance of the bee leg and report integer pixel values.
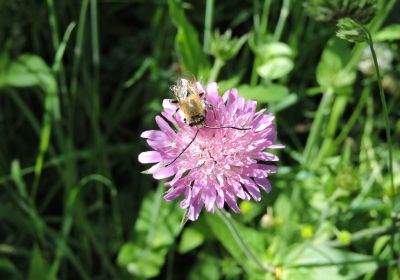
(174, 114)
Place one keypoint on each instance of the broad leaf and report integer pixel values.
(191, 239)
(263, 94)
(310, 261)
(188, 47)
(389, 33)
(39, 267)
(331, 72)
(27, 71)
(155, 231)
(276, 60)
(251, 237)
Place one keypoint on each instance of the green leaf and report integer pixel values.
(309, 261)
(28, 71)
(188, 47)
(380, 244)
(155, 231)
(275, 68)
(228, 84)
(276, 60)
(331, 72)
(388, 33)
(39, 268)
(275, 49)
(18, 179)
(206, 267)
(8, 268)
(250, 210)
(190, 240)
(288, 101)
(251, 237)
(4, 59)
(139, 262)
(263, 94)
(224, 47)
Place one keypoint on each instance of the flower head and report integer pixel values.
(220, 164)
(361, 11)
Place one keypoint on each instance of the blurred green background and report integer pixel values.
(80, 80)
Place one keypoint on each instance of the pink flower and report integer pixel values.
(221, 164)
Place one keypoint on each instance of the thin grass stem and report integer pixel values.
(245, 248)
(208, 25)
(388, 138)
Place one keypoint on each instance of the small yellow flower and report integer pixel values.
(307, 231)
(344, 237)
(278, 272)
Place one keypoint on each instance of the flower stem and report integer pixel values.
(388, 136)
(282, 20)
(218, 64)
(365, 233)
(208, 25)
(246, 250)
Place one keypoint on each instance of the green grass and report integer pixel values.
(80, 81)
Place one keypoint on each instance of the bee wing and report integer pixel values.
(180, 89)
(193, 87)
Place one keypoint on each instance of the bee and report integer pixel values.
(193, 107)
(190, 101)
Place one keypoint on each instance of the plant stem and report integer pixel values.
(352, 120)
(336, 112)
(315, 133)
(282, 20)
(208, 25)
(365, 233)
(218, 64)
(346, 262)
(264, 19)
(246, 250)
(388, 137)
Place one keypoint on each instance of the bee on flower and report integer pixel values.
(215, 149)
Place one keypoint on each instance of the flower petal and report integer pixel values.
(220, 198)
(276, 146)
(164, 173)
(267, 157)
(188, 196)
(171, 195)
(195, 208)
(167, 104)
(231, 201)
(209, 198)
(153, 134)
(164, 126)
(252, 188)
(263, 183)
(149, 157)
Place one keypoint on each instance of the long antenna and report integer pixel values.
(187, 146)
(233, 127)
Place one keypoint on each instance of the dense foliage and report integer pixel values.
(80, 80)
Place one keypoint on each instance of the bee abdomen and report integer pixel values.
(196, 120)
